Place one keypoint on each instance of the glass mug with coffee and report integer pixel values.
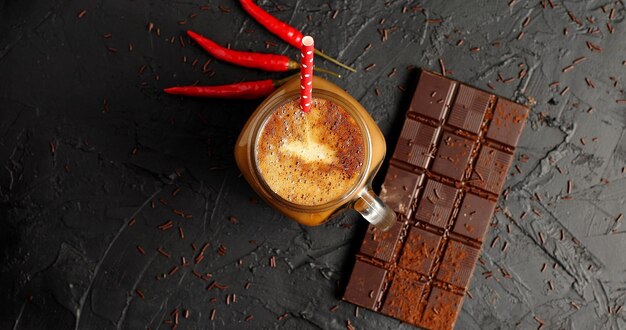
(310, 165)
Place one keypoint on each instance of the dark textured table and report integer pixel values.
(96, 161)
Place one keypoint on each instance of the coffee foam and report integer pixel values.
(310, 158)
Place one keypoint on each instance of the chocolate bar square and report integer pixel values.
(453, 156)
(382, 245)
(416, 144)
(441, 309)
(366, 285)
(420, 250)
(437, 203)
(474, 216)
(404, 297)
(508, 122)
(400, 189)
(432, 96)
(491, 169)
(458, 263)
(469, 109)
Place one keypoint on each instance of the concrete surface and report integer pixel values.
(88, 142)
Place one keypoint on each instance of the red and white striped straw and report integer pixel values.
(306, 73)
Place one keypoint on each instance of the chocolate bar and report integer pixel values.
(443, 181)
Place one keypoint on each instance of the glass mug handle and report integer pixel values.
(374, 210)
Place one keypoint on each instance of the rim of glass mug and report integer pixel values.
(272, 106)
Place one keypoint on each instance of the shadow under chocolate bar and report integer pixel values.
(443, 181)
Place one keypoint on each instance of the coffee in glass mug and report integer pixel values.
(310, 165)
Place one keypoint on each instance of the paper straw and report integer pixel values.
(306, 73)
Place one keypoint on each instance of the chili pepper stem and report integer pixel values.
(279, 82)
(293, 65)
(332, 60)
(322, 70)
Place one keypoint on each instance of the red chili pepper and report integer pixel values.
(267, 62)
(243, 90)
(283, 30)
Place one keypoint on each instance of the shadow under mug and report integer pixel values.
(360, 197)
